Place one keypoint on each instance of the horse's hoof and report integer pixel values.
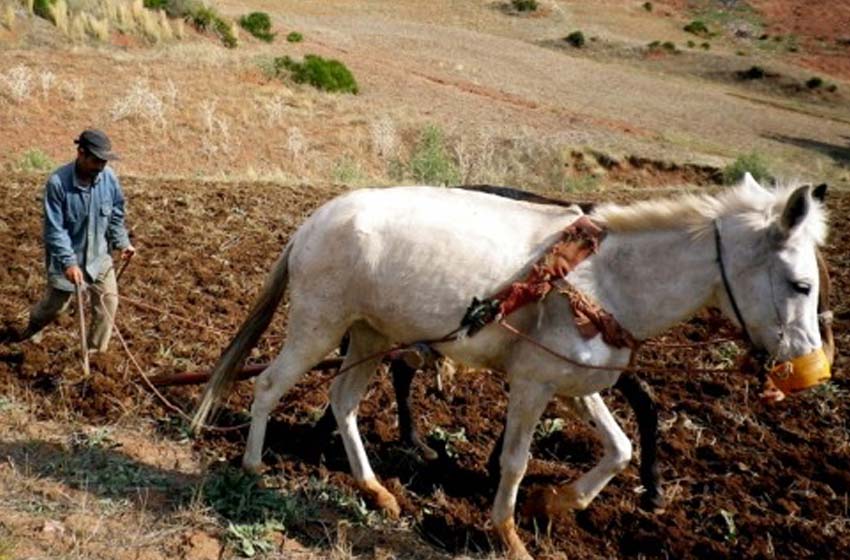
(653, 503)
(514, 548)
(380, 497)
(253, 468)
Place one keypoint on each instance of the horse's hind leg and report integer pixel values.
(526, 403)
(304, 348)
(364, 355)
(618, 453)
(640, 398)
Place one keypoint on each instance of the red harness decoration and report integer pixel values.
(578, 241)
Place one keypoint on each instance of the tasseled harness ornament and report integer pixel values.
(578, 241)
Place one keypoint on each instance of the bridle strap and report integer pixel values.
(726, 284)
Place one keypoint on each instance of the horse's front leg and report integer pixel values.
(526, 403)
(618, 453)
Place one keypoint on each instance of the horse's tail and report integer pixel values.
(222, 377)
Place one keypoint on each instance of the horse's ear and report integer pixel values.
(819, 193)
(796, 209)
(751, 183)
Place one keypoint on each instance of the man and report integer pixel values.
(83, 224)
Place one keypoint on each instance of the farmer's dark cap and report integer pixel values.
(97, 144)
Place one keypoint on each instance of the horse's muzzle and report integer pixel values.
(801, 372)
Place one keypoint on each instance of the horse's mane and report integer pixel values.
(696, 212)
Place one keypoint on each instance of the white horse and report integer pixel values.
(401, 265)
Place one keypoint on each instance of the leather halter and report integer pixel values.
(719, 244)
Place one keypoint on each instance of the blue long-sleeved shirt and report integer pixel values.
(82, 225)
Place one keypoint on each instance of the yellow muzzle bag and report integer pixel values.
(801, 372)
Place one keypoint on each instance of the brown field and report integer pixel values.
(221, 163)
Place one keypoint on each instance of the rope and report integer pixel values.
(510, 328)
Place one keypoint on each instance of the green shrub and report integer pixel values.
(225, 32)
(324, 74)
(814, 83)
(691, 44)
(753, 73)
(35, 160)
(576, 39)
(524, 5)
(697, 27)
(43, 9)
(647, 6)
(156, 4)
(258, 24)
(705, 46)
(669, 46)
(753, 163)
(430, 162)
(294, 37)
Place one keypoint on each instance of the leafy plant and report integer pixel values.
(576, 39)
(814, 83)
(156, 4)
(294, 37)
(753, 73)
(430, 162)
(35, 160)
(548, 427)
(753, 163)
(449, 439)
(524, 5)
(249, 539)
(237, 496)
(698, 27)
(324, 74)
(258, 24)
(44, 9)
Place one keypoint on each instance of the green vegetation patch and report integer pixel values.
(754, 163)
(258, 24)
(430, 162)
(325, 74)
(524, 5)
(35, 160)
(576, 39)
(294, 37)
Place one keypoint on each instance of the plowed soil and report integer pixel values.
(742, 479)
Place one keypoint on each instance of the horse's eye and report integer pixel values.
(801, 287)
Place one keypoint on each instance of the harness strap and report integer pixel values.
(726, 284)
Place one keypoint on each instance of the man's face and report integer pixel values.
(89, 164)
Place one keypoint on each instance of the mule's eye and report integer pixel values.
(801, 287)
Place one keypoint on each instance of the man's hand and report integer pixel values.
(128, 252)
(74, 274)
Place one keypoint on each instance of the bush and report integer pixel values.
(43, 9)
(576, 39)
(814, 83)
(294, 37)
(753, 73)
(35, 160)
(705, 46)
(697, 27)
(647, 6)
(691, 44)
(225, 32)
(156, 4)
(258, 24)
(324, 74)
(430, 163)
(752, 162)
(524, 5)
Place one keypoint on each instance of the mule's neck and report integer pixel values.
(651, 280)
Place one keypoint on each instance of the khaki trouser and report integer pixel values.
(104, 304)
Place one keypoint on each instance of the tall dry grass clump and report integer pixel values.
(59, 14)
(8, 16)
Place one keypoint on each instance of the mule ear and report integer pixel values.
(819, 193)
(796, 209)
(751, 183)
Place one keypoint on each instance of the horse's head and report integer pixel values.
(768, 255)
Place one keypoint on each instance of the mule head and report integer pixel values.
(772, 276)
